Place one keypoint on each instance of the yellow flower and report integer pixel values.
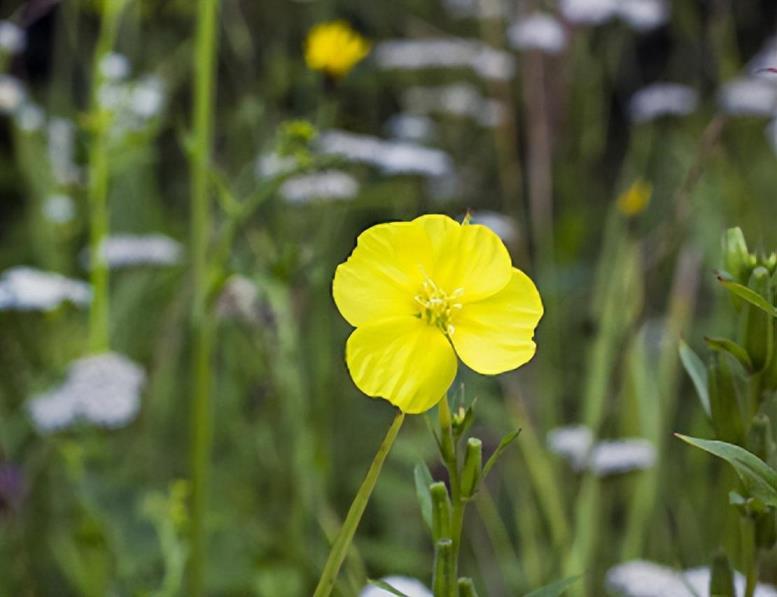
(334, 48)
(635, 199)
(419, 293)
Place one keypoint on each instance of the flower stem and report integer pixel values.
(450, 457)
(345, 536)
(99, 173)
(201, 435)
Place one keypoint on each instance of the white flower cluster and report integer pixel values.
(272, 164)
(391, 157)
(329, 184)
(749, 96)
(482, 9)
(662, 99)
(59, 208)
(458, 99)
(538, 31)
(640, 578)
(103, 390)
(27, 289)
(436, 53)
(604, 458)
(405, 585)
(641, 15)
(128, 250)
(133, 103)
(12, 94)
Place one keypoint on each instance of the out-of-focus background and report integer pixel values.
(608, 142)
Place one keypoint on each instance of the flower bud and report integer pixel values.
(736, 259)
(444, 568)
(441, 511)
(467, 588)
(724, 401)
(758, 330)
(473, 466)
(721, 577)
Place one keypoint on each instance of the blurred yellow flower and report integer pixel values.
(334, 48)
(419, 293)
(634, 200)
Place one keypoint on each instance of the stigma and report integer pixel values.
(438, 307)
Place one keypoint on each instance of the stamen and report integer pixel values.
(437, 307)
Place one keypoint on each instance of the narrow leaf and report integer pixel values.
(751, 296)
(732, 348)
(423, 479)
(554, 589)
(382, 584)
(758, 478)
(503, 445)
(698, 374)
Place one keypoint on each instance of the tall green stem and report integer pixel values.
(452, 464)
(345, 536)
(99, 337)
(204, 69)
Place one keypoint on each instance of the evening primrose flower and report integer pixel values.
(420, 293)
(334, 48)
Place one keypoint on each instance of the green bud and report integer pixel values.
(441, 511)
(724, 401)
(444, 581)
(736, 259)
(722, 577)
(758, 329)
(759, 438)
(447, 443)
(769, 262)
(467, 588)
(473, 466)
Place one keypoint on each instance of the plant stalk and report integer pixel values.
(202, 140)
(344, 538)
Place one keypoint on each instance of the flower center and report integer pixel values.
(437, 307)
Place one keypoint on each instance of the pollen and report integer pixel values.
(438, 307)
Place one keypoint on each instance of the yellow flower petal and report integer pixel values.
(407, 362)
(496, 334)
(383, 274)
(470, 257)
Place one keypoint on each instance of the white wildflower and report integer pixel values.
(27, 289)
(12, 94)
(573, 443)
(29, 117)
(458, 99)
(103, 390)
(662, 99)
(330, 184)
(643, 15)
(440, 53)
(538, 31)
(409, 586)
(588, 12)
(128, 250)
(614, 457)
(410, 127)
(13, 39)
(59, 208)
(391, 157)
(749, 97)
(115, 66)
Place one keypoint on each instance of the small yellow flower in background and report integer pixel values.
(420, 293)
(334, 48)
(634, 200)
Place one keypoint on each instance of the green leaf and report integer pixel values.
(751, 296)
(554, 589)
(758, 478)
(423, 479)
(503, 445)
(732, 348)
(382, 584)
(698, 374)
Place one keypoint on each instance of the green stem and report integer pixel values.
(344, 538)
(99, 173)
(458, 504)
(201, 434)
